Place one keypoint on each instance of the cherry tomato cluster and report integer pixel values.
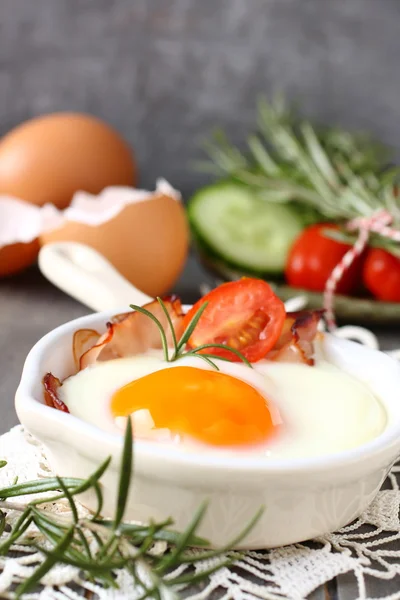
(313, 256)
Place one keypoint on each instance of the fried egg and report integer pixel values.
(278, 409)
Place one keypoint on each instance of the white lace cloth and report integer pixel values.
(368, 548)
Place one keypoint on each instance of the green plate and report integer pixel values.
(347, 309)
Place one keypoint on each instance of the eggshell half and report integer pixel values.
(49, 158)
(147, 241)
(15, 257)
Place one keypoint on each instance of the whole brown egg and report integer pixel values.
(147, 241)
(49, 158)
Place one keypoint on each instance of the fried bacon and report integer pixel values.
(133, 333)
(295, 343)
(83, 340)
(51, 385)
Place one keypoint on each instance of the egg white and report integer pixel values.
(322, 410)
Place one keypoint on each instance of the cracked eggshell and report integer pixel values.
(143, 234)
(20, 225)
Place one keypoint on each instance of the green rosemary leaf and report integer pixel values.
(125, 474)
(70, 500)
(93, 479)
(19, 528)
(99, 497)
(146, 312)
(2, 463)
(44, 519)
(193, 578)
(106, 578)
(204, 357)
(83, 485)
(172, 537)
(242, 535)
(161, 533)
(93, 567)
(339, 235)
(190, 328)
(208, 554)
(107, 545)
(109, 549)
(279, 196)
(45, 567)
(228, 348)
(16, 534)
(318, 155)
(216, 357)
(131, 566)
(223, 153)
(293, 191)
(81, 534)
(148, 541)
(182, 543)
(262, 156)
(98, 538)
(2, 522)
(51, 532)
(33, 487)
(135, 527)
(171, 325)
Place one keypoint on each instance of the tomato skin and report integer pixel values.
(247, 308)
(313, 257)
(381, 275)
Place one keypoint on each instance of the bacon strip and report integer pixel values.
(133, 333)
(295, 343)
(82, 341)
(51, 385)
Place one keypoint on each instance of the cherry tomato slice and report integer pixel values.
(244, 314)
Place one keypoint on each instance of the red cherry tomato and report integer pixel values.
(381, 275)
(313, 257)
(244, 314)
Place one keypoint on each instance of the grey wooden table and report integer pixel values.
(30, 307)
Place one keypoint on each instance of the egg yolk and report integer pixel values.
(210, 406)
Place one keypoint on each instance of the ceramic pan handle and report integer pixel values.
(87, 276)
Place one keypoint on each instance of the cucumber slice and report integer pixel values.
(243, 229)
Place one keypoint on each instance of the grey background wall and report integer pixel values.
(165, 72)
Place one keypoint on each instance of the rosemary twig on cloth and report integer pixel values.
(98, 547)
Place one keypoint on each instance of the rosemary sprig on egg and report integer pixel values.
(179, 346)
(101, 547)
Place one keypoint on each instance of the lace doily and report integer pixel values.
(368, 548)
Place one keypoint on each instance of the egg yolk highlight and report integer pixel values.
(210, 406)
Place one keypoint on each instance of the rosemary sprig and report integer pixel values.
(100, 547)
(179, 346)
(337, 174)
